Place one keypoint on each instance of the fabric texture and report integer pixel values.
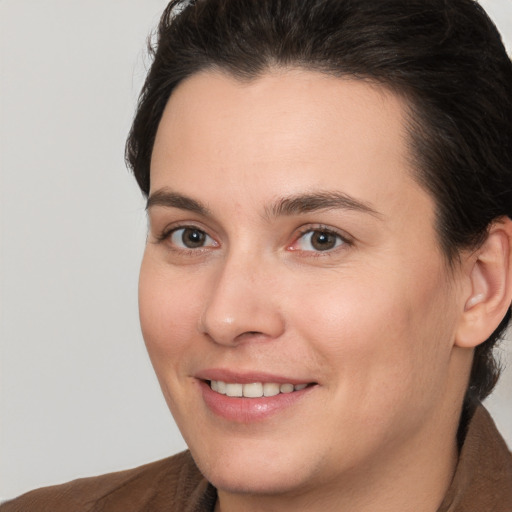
(168, 485)
(482, 483)
(483, 477)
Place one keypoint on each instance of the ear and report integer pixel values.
(489, 295)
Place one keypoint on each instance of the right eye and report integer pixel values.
(191, 238)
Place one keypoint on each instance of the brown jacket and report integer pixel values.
(482, 483)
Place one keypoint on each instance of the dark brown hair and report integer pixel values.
(445, 56)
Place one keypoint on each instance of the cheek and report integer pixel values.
(168, 311)
(380, 338)
(355, 330)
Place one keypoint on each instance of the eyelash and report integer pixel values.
(341, 240)
(168, 233)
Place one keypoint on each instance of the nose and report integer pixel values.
(240, 304)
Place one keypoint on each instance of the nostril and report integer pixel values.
(250, 336)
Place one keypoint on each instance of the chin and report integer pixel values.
(259, 471)
(258, 480)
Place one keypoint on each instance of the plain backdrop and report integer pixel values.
(78, 395)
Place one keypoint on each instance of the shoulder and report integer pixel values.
(155, 486)
(483, 477)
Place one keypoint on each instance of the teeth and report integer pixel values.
(234, 389)
(270, 389)
(253, 390)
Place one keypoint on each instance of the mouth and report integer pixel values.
(246, 398)
(254, 389)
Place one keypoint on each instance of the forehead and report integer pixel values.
(281, 134)
(287, 107)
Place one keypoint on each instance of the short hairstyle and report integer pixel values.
(445, 57)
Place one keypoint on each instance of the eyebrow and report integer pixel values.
(317, 201)
(286, 206)
(169, 199)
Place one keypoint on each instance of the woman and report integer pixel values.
(328, 264)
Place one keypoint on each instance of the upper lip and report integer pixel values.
(226, 375)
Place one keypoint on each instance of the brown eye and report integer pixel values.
(319, 240)
(190, 238)
(323, 241)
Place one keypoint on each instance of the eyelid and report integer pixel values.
(166, 233)
(206, 240)
(346, 240)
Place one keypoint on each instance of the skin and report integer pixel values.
(371, 321)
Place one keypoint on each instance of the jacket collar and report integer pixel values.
(483, 477)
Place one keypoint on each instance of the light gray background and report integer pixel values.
(78, 395)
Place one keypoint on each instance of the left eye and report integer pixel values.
(191, 238)
(318, 240)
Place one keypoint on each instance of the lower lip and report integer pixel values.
(249, 410)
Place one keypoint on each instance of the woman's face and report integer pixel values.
(289, 248)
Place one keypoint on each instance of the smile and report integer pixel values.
(254, 389)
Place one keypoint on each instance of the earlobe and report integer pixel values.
(490, 295)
